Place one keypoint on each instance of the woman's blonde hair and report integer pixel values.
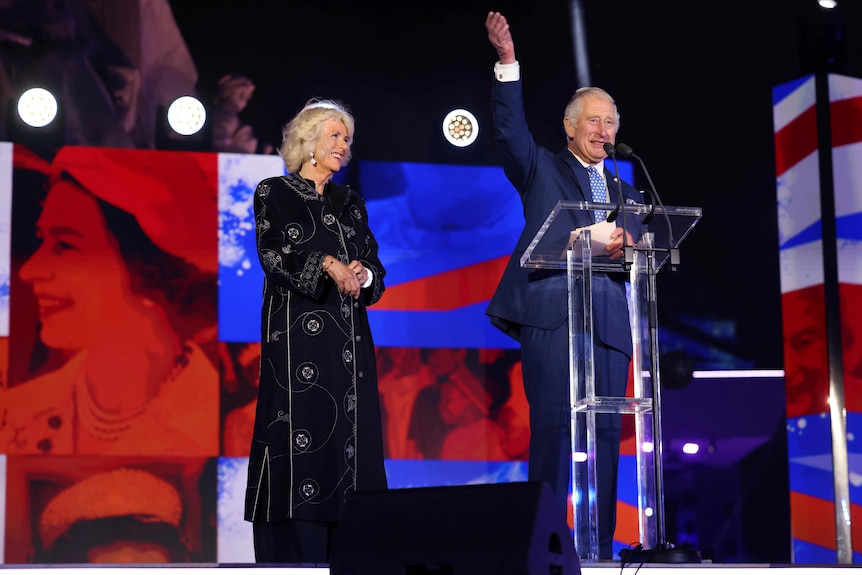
(299, 136)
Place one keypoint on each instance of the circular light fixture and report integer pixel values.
(460, 128)
(186, 115)
(37, 107)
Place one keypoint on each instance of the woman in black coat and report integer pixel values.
(317, 434)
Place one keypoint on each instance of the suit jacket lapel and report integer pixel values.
(579, 174)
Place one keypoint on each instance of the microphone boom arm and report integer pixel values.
(628, 251)
(626, 152)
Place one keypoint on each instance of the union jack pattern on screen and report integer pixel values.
(804, 279)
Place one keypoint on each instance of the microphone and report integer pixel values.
(611, 151)
(626, 152)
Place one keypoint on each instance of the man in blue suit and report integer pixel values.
(531, 304)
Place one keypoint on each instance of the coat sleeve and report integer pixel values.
(519, 151)
(371, 260)
(281, 222)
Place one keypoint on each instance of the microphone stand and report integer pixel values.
(664, 551)
(649, 215)
(626, 152)
(628, 251)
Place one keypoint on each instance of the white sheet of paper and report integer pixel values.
(600, 236)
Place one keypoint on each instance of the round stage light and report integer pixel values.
(37, 107)
(186, 115)
(460, 128)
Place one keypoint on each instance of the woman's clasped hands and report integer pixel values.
(348, 278)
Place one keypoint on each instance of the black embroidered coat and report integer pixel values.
(317, 433)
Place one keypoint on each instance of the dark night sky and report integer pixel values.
(693, 83)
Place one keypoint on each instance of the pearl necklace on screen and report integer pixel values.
(108, 426)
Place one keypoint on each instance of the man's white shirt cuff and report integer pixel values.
(507, 72)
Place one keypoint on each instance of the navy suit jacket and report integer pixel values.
(538, 297)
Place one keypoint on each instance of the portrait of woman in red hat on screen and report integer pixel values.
(115, 307)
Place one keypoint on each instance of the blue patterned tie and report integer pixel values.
(600, 196)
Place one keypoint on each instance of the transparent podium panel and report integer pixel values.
(568, 240)
(669, 226)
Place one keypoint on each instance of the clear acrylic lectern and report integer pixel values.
(566, 241)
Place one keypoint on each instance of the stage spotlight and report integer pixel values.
(460, 128)
(37, 121)
(828, 4)
(186, 115)
(690, 448)
(183, 126)
(37, 107)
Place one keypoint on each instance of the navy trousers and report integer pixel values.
(545, 364)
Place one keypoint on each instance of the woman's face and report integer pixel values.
(78, 275)
(333, 145)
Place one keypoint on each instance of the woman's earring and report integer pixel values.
(313, 161)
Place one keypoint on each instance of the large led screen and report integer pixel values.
(132, 289)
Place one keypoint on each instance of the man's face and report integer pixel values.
(596, 124)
